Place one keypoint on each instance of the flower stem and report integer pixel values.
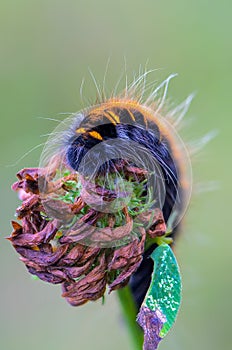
(130, 313)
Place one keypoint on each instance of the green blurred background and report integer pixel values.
(46, 49)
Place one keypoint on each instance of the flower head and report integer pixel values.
(60, 248)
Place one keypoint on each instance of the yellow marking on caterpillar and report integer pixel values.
(108, 116)
(81, 130)
(96, 135)
(131, 115)
(115, 116)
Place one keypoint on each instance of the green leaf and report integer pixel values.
(162, 301)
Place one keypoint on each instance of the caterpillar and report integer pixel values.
(145, 138)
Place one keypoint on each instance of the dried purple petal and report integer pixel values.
(28, 205)
(17, 229)
(133, 254)
(155, 218)
(124, 275)
(42, 258)
(57, 209)
(46, 276)
(32, 239)
(77, 206)
(78, 233)
(152, 323)
(73, 256)
(77, 271)
(34, 172)
(90, 287)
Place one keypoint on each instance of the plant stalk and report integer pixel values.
(130, 313)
